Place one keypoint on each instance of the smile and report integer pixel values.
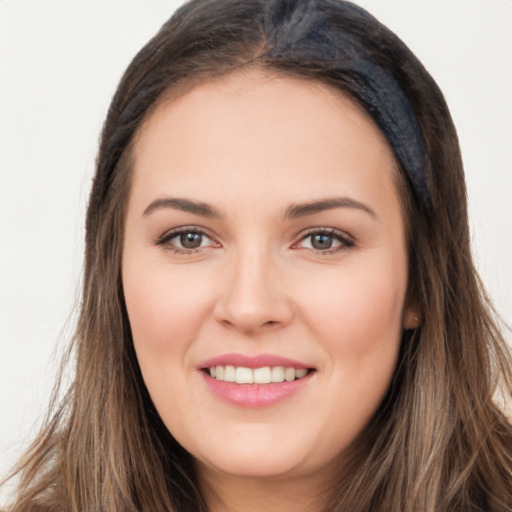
(255, 381)
(263, 375)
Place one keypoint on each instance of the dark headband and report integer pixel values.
(310, 37)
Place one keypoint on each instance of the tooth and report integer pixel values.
(243, 375)
(301, 373)
(262, 375)
(289, 374)
(277, 373)
(229, 373)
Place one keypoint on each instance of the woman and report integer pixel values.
(279, 307)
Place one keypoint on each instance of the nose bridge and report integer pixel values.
(253, 296)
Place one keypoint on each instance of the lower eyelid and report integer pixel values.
(168, 236)
(343, 239)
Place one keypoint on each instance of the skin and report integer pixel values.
(251, 146)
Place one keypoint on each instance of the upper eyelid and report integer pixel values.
(325, 230)
(171, 233)
(174, 232)
(346, 240)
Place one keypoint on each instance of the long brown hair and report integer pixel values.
(438, 442)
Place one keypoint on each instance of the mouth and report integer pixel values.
(256, 381)
(260, 375)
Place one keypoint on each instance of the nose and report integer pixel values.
(253, 295)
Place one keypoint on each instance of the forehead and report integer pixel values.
(249, 87)
(253, 125)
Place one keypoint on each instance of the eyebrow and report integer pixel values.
(310, 208)
(186, 205)
(295, 210)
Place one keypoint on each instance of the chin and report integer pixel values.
(254, 465)
(261, 457)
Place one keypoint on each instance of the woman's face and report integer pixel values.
(264, 239)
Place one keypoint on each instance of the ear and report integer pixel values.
(411, 318)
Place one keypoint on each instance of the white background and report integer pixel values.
(59, 64)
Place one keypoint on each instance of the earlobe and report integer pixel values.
(412, 318)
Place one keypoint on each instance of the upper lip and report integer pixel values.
(258, 361)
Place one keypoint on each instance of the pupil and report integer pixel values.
(322, 241)
(191, 240)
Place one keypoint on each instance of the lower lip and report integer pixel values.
(255, 395)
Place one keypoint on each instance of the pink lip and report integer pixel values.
(258, 361)
(255, 395)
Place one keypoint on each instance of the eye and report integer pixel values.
(190, 240)
(186, 240)
(326, 241)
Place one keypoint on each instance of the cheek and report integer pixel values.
(164, 306)
(359, 305)
(357, 317)
(357, 320)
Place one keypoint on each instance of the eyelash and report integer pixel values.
(165, 239)
(345, 241)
